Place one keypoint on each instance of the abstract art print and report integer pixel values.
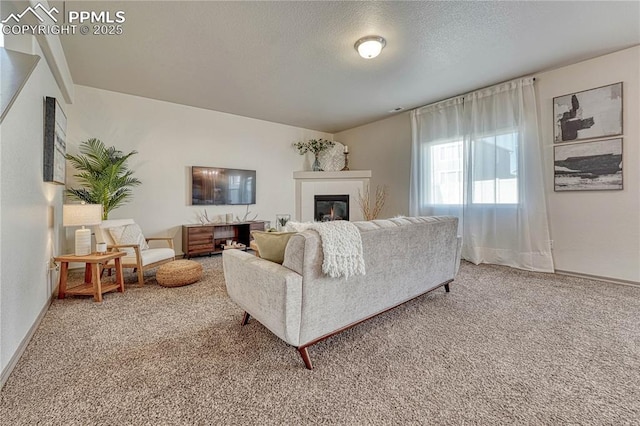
(590, 114)
(589, 166)
(55, 147)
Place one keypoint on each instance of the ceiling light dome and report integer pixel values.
(370, 46)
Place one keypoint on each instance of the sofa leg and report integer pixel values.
(304, 353)
(446, 288)
(245, 319)
(140, 277)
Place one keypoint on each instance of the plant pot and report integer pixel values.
(281, 221)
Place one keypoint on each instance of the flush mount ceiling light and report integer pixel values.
(370, 46)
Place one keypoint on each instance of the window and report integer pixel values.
(494, 167)
(446, 173)
(493, 171)
(477, 157)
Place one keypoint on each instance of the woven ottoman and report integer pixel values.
(178, 273)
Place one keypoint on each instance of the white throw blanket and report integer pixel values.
(341, 246)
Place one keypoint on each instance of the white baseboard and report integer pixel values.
(4, 376)
(599, 278)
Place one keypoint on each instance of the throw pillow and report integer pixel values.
(129, 234)
(271, 245)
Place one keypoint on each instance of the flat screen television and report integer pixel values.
(218, 186)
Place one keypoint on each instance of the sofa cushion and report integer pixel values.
(129, 234)
(147, 257)
(271, 245)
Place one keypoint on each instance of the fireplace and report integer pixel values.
(331, 207)
(310, 184)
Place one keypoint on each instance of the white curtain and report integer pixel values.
(436, 128)
(478, 157)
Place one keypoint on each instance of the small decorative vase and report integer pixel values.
(316, 164)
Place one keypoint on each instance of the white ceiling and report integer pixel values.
(294, 62)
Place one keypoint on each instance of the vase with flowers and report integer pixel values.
(316, 146)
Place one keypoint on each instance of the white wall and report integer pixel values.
(30, 223)
(170, 138)
(384, 147)
(594, 233)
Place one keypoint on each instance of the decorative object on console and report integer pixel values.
(104, 175)
(281, 221)
(234, 245)
(55, 127)
(589, 114)
(203, 218)
(245, 218)
(589, 166)
(315, 146)
(364, 200)
(82, 215)
(332, 159)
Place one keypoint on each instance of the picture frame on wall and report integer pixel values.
(588, 166)
(590, 114)
(55, 146)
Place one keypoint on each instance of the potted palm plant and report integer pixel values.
(104, 175)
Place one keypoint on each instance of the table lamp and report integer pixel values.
(82, 215)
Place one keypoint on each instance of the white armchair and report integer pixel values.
(140, 259)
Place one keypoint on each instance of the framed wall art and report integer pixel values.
(55, 146)
(588, 166)
(590, 114)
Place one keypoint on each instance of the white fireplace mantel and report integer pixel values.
(309, 184)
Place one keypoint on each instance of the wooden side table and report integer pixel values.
(92, 284)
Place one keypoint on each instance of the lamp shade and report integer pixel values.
(81, 214)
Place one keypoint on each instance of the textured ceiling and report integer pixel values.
(294, 62)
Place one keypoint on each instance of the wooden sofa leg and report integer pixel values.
(140, 277)
(446, 288)
(245, 319)
(304, 353)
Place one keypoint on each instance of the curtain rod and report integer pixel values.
(475, 90)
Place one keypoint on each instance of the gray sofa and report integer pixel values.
(404, 257)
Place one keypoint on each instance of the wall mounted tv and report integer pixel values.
(218, 186)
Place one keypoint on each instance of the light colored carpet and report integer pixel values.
(505, 346)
